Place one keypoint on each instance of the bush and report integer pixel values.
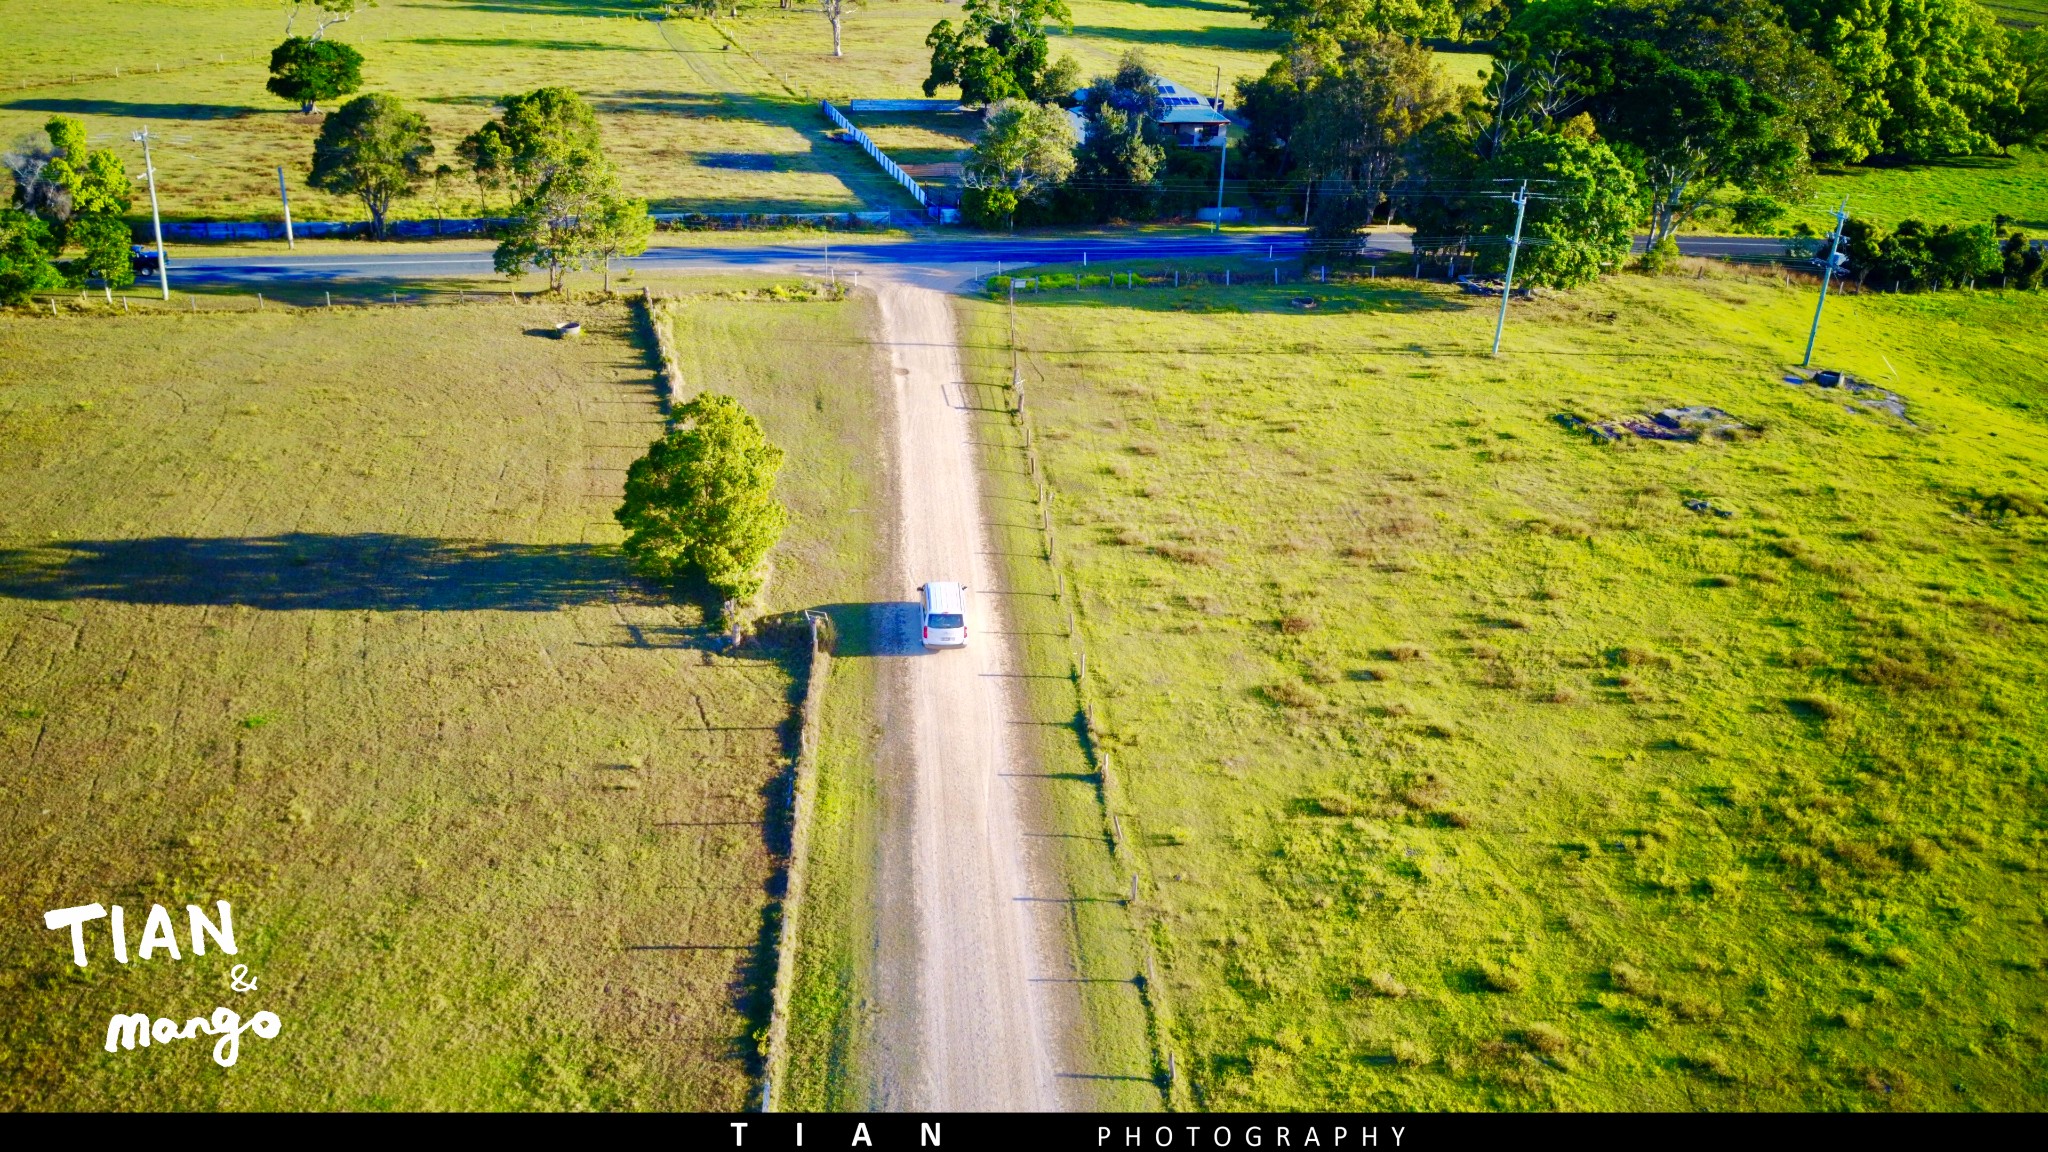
(1661, 258)
(991, 208)
(1916, 256)
(25, 266)
(1496, 977)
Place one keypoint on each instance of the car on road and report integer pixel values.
(142, 260)
(942, 616)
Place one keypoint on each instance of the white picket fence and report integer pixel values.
(894, 170)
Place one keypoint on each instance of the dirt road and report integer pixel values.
(977, 1032)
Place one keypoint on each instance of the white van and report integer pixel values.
(942, 623)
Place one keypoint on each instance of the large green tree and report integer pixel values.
(1692, 132)
(1362, 112)
(1582, 216)
(25, 247)
(375, 149)
(1921, 78)
(538, 133)
(1024, 149)
(1364, 19)
(88, 205)
(1123, 153)
(306, 71)
(702, 501)
(575, 218)
(999, 53)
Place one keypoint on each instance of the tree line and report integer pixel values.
(1622, 115)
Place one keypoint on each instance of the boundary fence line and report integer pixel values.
(889, 166)
(1159, 1016)
(467, 226)
(803, 788)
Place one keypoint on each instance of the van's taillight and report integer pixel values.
(927, 634)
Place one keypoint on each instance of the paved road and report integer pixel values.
(969, 253)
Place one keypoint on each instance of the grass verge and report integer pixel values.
(808, 369)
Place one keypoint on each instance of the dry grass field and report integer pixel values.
(321, 613)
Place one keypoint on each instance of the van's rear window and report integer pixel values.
(945, 620)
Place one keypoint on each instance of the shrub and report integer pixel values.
(1384, 984)
(1290, 694)
(1409, 1054)
(1407, 653)
(1661, 258)
(1632, 980)
(1544, 1038)
(1815, 706)
(1497, 977)
(1296, 625)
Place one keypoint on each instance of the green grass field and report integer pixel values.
(321, 613)
(2018, 13)
(1969, 191)
(1467, 767)
(691, 125)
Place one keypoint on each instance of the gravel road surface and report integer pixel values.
(977, 1037)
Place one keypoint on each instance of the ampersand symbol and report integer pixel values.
(237, 975)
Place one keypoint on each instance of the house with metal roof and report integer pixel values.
(1193, 120)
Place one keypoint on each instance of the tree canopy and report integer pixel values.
(306, 71)
(1582, 216)
(1367, 19)
(81, 195)
(375, 149)
(702, 501)
(999, 52)
(575, 218)
(25, 247)
(1124, 153)
(1362, 109)
(1023, 150)
(538, 133)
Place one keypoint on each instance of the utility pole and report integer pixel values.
(1827, 273)
(156, 219)
(285, 196)
(1222, 162)
(1507, 285)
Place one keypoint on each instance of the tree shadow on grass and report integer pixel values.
(365, 571)
(524, 44)
(1215, 36)
(138, 111)
(1389, 295)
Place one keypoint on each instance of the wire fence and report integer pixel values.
(143, 299)
(1093, 732)
(155, 67)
